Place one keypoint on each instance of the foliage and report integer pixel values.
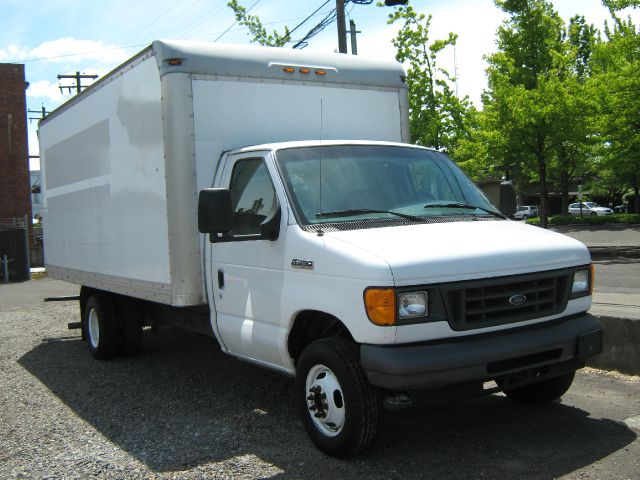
(616, 64)
(621, 218)
(257, 30)
(437, 117)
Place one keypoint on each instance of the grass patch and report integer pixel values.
(617, 219)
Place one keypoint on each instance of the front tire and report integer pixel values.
(542, 392)
(100, 324)
(340, 410)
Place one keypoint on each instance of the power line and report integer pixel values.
(234, 23)
(202, 20)
(156, 19)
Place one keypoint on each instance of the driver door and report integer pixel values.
(248, 272)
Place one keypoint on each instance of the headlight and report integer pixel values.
(413, 305)
(582, 282)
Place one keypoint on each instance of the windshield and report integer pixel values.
(356, 182)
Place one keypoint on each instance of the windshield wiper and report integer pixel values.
(464, 205)
(364, 211)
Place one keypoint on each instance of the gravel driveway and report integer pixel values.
(182, 409)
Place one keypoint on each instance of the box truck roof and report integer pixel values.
(268, 62)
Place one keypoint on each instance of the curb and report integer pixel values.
(620, 345)
(602, 251)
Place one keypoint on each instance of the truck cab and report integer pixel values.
(386, 257)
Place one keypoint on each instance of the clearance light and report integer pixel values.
(305, 70)
(380, 304)
(174, 61)
(320, 72)
(288, 70)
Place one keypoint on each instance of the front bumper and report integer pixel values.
(477, 358)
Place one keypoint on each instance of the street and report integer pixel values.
(182, 409)
(617, 275)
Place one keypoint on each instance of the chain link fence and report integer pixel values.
(14, 250)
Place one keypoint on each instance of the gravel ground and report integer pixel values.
(182, 409)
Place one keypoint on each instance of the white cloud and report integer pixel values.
(46, 90)
(66, 50)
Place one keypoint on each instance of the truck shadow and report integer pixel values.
(182, 403)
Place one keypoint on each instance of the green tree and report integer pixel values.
(617, 73)
(437, 118)
(257, 30)
(536, 104)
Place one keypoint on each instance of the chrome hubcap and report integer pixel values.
(94, 328)
(325, 400)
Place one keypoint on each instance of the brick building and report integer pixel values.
(15, 184)
(15, 191)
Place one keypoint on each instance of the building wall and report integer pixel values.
(15, 189)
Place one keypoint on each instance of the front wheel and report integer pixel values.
(542, 392)
(340, 410)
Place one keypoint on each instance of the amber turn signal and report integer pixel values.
(380, 304)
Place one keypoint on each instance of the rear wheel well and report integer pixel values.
(312, 325)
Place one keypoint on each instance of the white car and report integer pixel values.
(589, 209)
(525, 211)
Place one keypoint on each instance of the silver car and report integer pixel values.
(525, 211)
(589, 209)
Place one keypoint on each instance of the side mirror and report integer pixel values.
(508, 199)
(215, 214)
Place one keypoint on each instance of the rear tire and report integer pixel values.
(594, 214)
(130, 330)
(542, 392)
(100, 324)
(339, 408)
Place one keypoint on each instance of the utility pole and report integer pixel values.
(342, 28)
(354, 41)
(78, 78)
(43, 113)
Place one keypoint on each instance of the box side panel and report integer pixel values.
(232, 112)
(105, 203)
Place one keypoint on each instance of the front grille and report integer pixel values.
(502, 300)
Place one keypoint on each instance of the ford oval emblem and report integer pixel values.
(517, 300)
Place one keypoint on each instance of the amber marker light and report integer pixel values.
(380, 304)
(288, 70)
(305, 70)
(592, 277)
(174, 61)
(320, 72)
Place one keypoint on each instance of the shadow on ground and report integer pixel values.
(182, 403)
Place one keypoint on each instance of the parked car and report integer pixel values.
(589, 209)
(525, 211)
(620, 209)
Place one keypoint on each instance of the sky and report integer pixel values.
(55, 37)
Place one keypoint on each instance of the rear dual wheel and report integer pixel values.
(108, 335)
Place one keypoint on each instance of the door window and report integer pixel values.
(252, 196)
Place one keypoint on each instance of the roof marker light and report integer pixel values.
(174, 61)
(305, 70)
(288, 69)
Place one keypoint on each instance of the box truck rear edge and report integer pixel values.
(269, 197)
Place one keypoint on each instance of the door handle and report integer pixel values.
(220, 279)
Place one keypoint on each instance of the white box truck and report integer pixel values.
(268, 197)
